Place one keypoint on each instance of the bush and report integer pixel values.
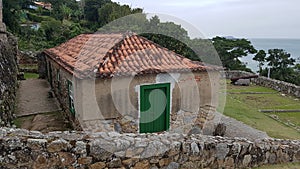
(35, 18)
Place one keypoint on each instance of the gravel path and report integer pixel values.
(33, 98)
(234, 128)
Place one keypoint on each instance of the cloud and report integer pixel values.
(241, 18)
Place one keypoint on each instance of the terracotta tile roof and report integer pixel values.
(110, 55)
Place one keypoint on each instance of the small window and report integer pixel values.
(71, 97)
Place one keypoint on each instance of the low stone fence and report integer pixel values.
(280, 86)
(30, 149)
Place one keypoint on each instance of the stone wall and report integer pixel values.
(8, 77)
(280, 86)
(30, 149)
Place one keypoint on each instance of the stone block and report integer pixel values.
(142, 164)
(85, 160)
(98, 165)
(58, 145)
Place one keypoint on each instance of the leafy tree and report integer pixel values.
(297, 68)
(91, 9)
(230, 50)
(260, 57)
(113, 11)
(205, 51)
(66, 11)
(62, 8)
(11, 9)
(281, 64)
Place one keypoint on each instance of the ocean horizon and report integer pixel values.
(291, 46)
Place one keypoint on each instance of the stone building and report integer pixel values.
(126, 83)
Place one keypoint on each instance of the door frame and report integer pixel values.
(167, 86)
(71, 97)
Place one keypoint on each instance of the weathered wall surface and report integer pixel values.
(27, 149)
(280, 86)
(59, 83)
(8, 75)
(113, 104)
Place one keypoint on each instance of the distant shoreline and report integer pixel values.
(291, 46)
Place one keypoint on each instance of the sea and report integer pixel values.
(291, 46)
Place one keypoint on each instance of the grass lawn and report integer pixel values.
(245, 108)
(31, 75)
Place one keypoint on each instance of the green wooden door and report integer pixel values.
(154, 108)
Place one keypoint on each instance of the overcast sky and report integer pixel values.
(239, 18)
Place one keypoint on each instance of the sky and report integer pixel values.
(238, 18)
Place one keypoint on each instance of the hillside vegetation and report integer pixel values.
(39, 28)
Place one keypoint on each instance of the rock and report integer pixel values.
(129, 162)
(195, 130)
(229, 162)
(222, 151)
(58, 145)
(243, 82)
(247, 160)
(173, 165)
(36, 144)
(154, 148)
(272, 158)
(142, 164)
(66, 158)
(115, 163)
(195, 148)
(40, 162)
(154, 161)
(101, 149)
(80, 148)
(134, 152)
(164, 162)
(220, 130)
(85, 160)
(118, 127)
(98, 165)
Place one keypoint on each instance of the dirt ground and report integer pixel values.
(35, 110)
(33, 98)
(44, 123)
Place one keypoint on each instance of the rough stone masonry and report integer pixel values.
(8, 73)
(31, 149)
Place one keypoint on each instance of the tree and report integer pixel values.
(66, 11)
(11, 9)
(230, 50)
(297, 68)
(63, 8)
(281, 64)
(260, 57)
(91, 9)
(113, 11)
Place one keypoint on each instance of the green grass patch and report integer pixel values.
(21, 120)
(244, 107)
(31, 75)
(281, 166)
